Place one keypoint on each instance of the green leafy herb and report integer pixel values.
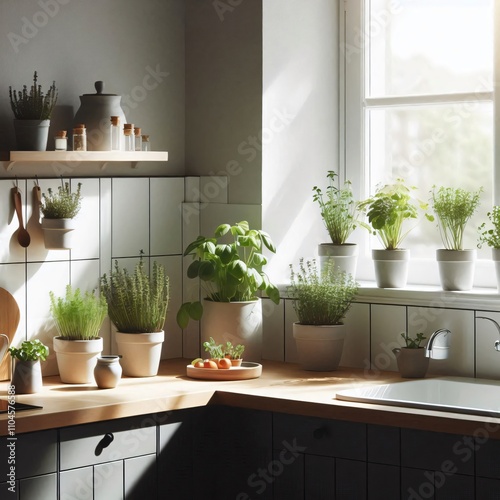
(61, 205)
(30, 350)
(413, 343)
(491, 237)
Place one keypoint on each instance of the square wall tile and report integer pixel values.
(356, 352)
(290, 347)
(487, 357)
(461, 324)
(273, 330)
(387, 323)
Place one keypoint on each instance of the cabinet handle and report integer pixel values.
(320, 433)
(104, 443)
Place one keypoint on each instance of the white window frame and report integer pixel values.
(352, 139)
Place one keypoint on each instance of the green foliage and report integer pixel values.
(339, 211)
(413, 343)
(453, 208)
(30, 350)
(215, 350)
(61, 205)
(388, 209)
(137, 303)
(33, 105)
(229, 272)
(77, 316)
(321, 299)
(233, 351)
(491, 237)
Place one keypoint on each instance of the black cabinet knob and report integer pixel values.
(104, 443)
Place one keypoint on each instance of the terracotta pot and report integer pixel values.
(141, 352)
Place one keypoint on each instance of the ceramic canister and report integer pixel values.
(95, 113)
(107, 372)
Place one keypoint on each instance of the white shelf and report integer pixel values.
(103, 157)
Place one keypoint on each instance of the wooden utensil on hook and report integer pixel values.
(23, 237)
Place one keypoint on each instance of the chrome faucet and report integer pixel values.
(497, 342)
(439, 344)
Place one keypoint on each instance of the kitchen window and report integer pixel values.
(418, 103)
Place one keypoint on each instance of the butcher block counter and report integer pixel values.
(282, 387)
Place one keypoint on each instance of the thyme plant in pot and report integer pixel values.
(411, 359)
(491, 237)
(59, 210)
(137, 306)
(78, 317)
(388, 210)
(340, 214)
(321, 301)
(454, 207)
(27, 374)
(32, 111)
(229, 266)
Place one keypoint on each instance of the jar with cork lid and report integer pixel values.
(79, 138)
(137, 139)
(61, 141)
(128, 137)
(146, 143)
(115, 134)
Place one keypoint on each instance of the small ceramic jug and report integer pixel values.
(412, 363)
(107, 372)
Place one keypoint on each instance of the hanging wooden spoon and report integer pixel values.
(23, 237)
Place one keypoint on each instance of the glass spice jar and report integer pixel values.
(79, 139)
(115, 135)
(137, 139)
(128, 137)
(61, 141)
(146, 144)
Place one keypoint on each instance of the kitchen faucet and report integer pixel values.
(439, 344)
(497, 342)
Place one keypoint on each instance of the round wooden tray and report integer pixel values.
(246, 371)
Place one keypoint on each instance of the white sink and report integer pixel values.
(453, 394)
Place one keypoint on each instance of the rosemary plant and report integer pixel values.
(136, 302)
(321, 299)
(78, 316)
(491, 237)
(454, 207)
(33, 105)
(61, 205)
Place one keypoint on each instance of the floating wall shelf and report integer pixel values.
(103, 157)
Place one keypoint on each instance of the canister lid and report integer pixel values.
(99, 87)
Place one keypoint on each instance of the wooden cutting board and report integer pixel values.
(9, 321)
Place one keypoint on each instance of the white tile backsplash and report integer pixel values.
(486, 356)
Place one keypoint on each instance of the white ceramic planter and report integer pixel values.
(27, 377)
(236, 322)
(391, 267)
(345, 256)
(31, 135)
(141, 353)
(58, 233)
(319, 348)
(495, 254)
(456, 269)
(76, 359)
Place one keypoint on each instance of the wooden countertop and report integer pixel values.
(282, 387)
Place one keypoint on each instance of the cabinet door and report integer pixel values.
(35, 488)
(77, 484)
(108, 481)
(140, 477)
(9, 491)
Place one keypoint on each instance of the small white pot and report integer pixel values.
(456, 269)
(141, 353)
(57, 233)
(236, 322)
(345, 256)
(76, 359)
(319, 348)
(391, 267)
(495, 254)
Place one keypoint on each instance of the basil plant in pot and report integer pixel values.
(229, 267)
(491, 237)
(59, 210)
(78, 317)
(411, 359)
(27, 375)
(388, 211)
(137, 306)
(340, 214)
(321, 301)
(454, 208)
(32, 111)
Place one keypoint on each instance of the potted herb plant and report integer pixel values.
(321, 301)
(230, 270)
(59, 210)
(27, 376)
(137, 306)
(411, 359)
(454, 207)
(78, 317)
(491, 237)
(388, 210)
(32, 111)
(340, 215)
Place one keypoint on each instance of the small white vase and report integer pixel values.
(107, 372)
(27, 376)
(391, 267)
(76, 359)
(57, 233)
(319, 347)
(345, 257)
(456, 269)
(141, 353)
(236, 322)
